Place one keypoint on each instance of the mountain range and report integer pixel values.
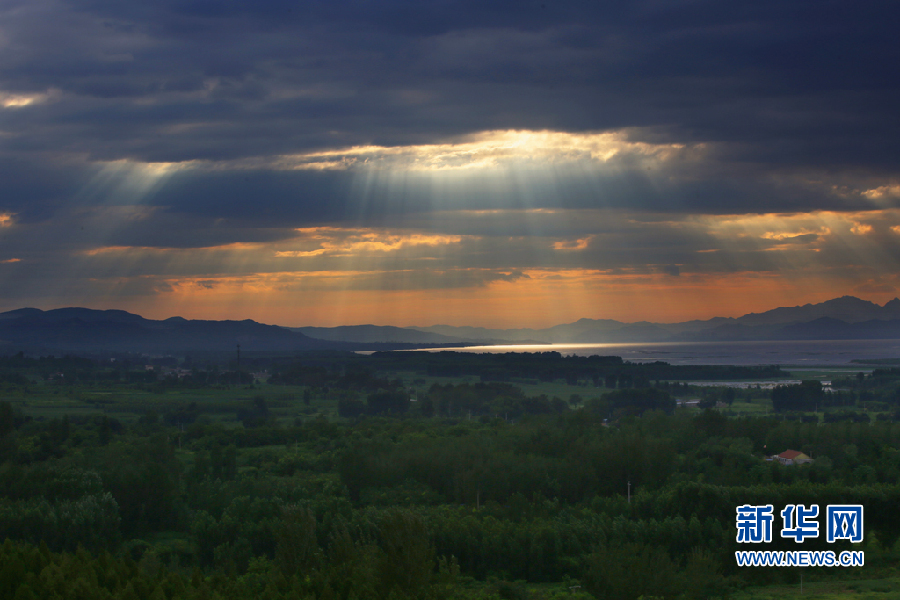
(841, 318)
(85, 330)
(82, 329)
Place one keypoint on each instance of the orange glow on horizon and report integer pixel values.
(721, 266)
(543, 299)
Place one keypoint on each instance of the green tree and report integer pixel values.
(229, 462)
(296, 549)
(629, 571)
(7, 418)
(408, 562)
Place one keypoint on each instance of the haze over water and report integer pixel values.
(808, 353)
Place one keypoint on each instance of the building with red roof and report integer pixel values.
(792, 457)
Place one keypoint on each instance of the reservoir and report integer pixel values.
(863, 355)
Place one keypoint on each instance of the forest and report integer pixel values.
(427, 475)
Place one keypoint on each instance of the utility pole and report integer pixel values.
(629, 491)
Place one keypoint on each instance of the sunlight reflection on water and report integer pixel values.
(806, 353)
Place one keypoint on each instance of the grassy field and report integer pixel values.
(128, 403)
(286, 403)
(757, 407)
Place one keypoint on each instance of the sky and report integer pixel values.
(399, 162)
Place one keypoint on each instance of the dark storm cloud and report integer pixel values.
(799, 82)
(781, 107)
(35, 189)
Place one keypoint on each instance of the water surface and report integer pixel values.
(806, 353)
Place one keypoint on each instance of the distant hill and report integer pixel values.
(86, 330)
(377, 334)
(633, 332)
(568, 332)
(847, 309)
(82, 329)
(841, 318)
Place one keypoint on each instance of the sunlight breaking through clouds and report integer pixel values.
(126, 181)
(801, 232)
(340, 242)
(805, 227)
(485, 150)
(420, 267)
(579, 244)
(12, 100)
(862, 229)
(883, 192)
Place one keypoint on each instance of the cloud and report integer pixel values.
(12, 101)
(485, 150)
(172, 84)
(862, 229)
(625, 242)
(672, 270)
(457, 145)
(578, 244)
(883, 192)
(335, 242)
